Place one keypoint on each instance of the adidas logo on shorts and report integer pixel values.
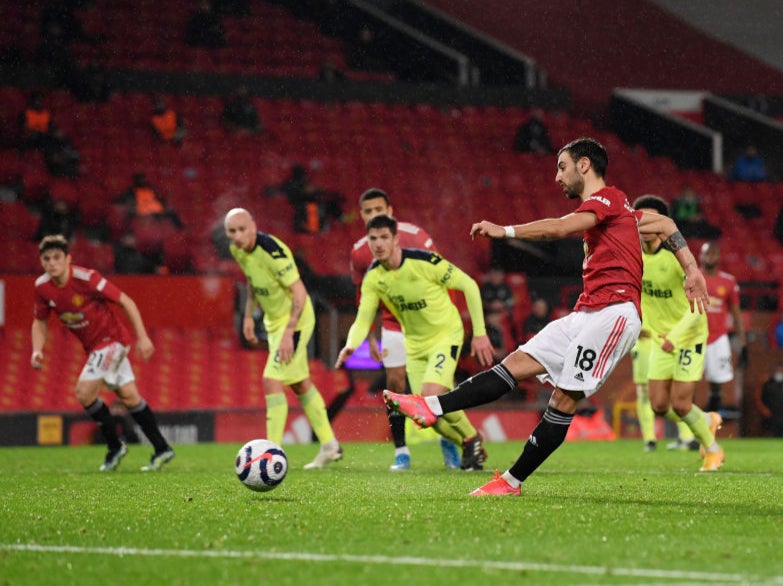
(579, 376)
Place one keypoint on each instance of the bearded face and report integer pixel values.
(568, 176)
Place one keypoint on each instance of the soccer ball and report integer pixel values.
(261, 465)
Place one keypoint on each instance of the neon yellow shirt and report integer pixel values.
(417, 295)
(270, 269)
(665, 308)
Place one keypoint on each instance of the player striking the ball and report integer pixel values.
(578, 352)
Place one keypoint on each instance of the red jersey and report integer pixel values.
(82, 305)
(411, 236)
(724, 294)
(612, 268)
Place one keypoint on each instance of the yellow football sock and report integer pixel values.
(447, 430)
(415, 435)
(461, 424)
(684, 432)
(697, 421)
(315, 410)
(645, 414)
(276, 415)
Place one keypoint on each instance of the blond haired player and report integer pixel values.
(274, 285)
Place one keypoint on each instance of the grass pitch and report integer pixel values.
(595, 513)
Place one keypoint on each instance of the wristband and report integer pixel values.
(510, 232)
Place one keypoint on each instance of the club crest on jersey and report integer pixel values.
(77, 300)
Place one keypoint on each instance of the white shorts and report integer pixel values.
(392, 348)
(580, 351)
(718, 365)
(109, 364)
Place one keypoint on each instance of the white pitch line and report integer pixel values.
(395, 561)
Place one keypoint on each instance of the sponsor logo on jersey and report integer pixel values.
(70, 318)
(649, 289)
(402, 305)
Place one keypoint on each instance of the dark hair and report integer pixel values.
(652, 202)
(374, 193)
(380, 222)
(590, 148)
(54, 241)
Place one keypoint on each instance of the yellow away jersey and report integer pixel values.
(665, 308)
(270, 269)
(417, 294)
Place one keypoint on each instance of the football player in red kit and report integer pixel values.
(81, 298)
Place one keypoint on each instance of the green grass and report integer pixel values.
(595, 513)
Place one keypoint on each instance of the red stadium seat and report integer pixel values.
(177, 255)
(16, 221)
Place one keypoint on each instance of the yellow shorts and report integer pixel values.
(436, 366)
(298, 369)
(685, 364)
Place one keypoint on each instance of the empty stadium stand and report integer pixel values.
(444, 166)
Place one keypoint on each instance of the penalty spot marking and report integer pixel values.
(387, 560)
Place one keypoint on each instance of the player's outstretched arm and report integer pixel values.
(666, 229)
(696, 288)
(481, 349)
(488, 229)
(480, 346)
(546, 229)
(344, 354)
(365, 316)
